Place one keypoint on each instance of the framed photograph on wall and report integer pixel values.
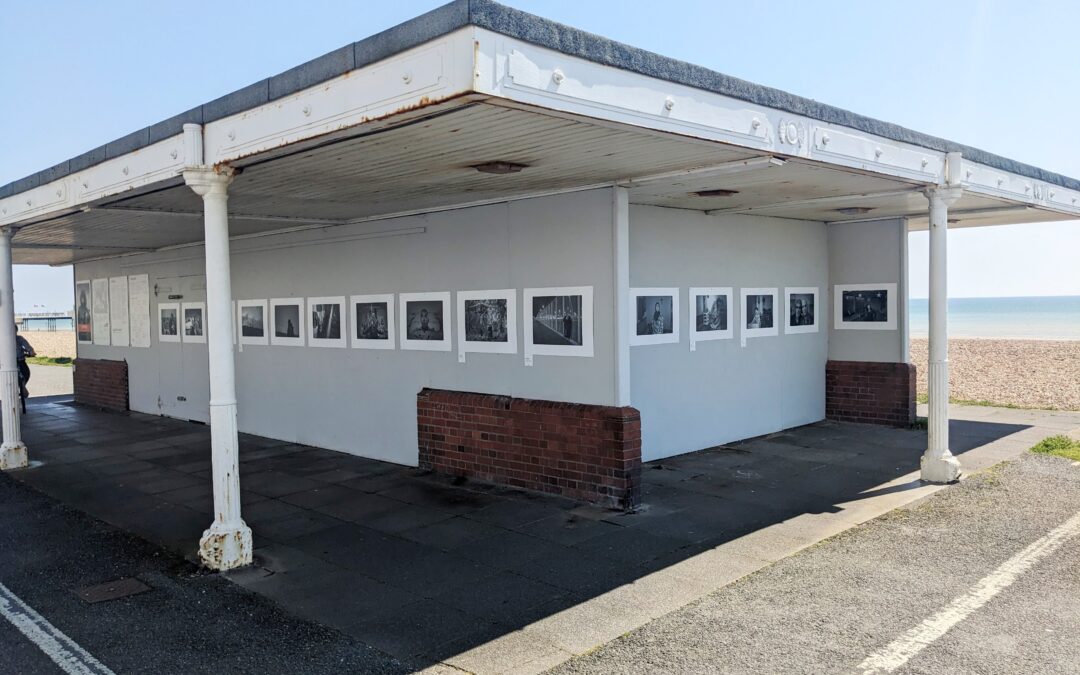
(801, 309)
(425, 321)
(287, 322)
(559, 321)
(373, 321)
(864, 306)
(251, 317)
(714, 316)
(193, 322)
(327, 324)
(487, 321)
(759, 308)
(169, 322)
(655, 317)
(84, 321)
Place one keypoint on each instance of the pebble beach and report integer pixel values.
(1026, 373)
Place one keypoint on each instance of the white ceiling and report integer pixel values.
(427, 164)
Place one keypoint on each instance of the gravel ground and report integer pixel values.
(52, 343)
(827, 608)
(1027, 373)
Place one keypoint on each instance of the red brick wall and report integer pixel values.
(586, 452)
(869, 392)
(102, 384)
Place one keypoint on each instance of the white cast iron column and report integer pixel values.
(227, 544)
(938, 463)
(12, 452)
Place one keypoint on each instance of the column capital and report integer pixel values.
(947, 195)
(205, 180)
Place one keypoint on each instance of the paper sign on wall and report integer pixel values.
(100, 307)
(118, 311)
(139, 315)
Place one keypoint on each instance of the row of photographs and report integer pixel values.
(560, 319)
(858, 307)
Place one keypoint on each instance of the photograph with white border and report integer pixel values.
(169, 322)
(714, 315)
(287, 322)
(865, 306)
(84, 318)
(487, 321)
(193, 322)
(559, 321)
(654, 318)
(251, 317)
(425, 321)
(373, 321)
(801, 309)
(759, 318)
(328, 324)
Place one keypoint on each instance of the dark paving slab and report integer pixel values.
(189, 621)
(424, 567)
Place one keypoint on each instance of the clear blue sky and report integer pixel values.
(997, 75)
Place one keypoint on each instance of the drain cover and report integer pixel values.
(112, 590)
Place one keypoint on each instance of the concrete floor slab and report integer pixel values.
(533, 579)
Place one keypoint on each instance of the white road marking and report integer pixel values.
(901, 650)
(64, 652)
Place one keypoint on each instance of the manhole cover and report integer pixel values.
(111, 590)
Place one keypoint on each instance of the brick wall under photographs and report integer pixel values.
(870, 392)
(586, 452)
(101, 384)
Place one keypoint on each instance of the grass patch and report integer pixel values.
(1060, 446)
(923, 398)
(920, 423)
(49, 360)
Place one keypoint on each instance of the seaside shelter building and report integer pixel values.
(495, 246)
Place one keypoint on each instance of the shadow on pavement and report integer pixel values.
(423, 568)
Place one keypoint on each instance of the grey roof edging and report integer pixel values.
(529, 28)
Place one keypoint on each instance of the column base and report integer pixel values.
(943, 468)
(224, 547)
(13, 457)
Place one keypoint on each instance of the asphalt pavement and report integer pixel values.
(855, 595)
(190, 621)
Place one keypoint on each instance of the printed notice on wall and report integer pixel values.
(139, 302)
(118, 311)
(100, 308)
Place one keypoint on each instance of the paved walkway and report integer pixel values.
(494, 580)
(979, 579)
(50, 381)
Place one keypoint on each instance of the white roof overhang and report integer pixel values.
(403, 134)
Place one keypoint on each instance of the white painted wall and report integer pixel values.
(865, 253)
(724, 391)
(363, 401)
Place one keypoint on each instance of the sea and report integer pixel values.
(1047, 317)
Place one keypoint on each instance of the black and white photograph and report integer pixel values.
(713, 318)
(559, 321)
(84, 328)
(373, 321)
(253, 322)
(802, 310)
(287, 317)
(425, 321)
(865, 306)
(327, 323)
(759, 312)
(655, 316)
(193, 318)
(487, 321)
(169, 322)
